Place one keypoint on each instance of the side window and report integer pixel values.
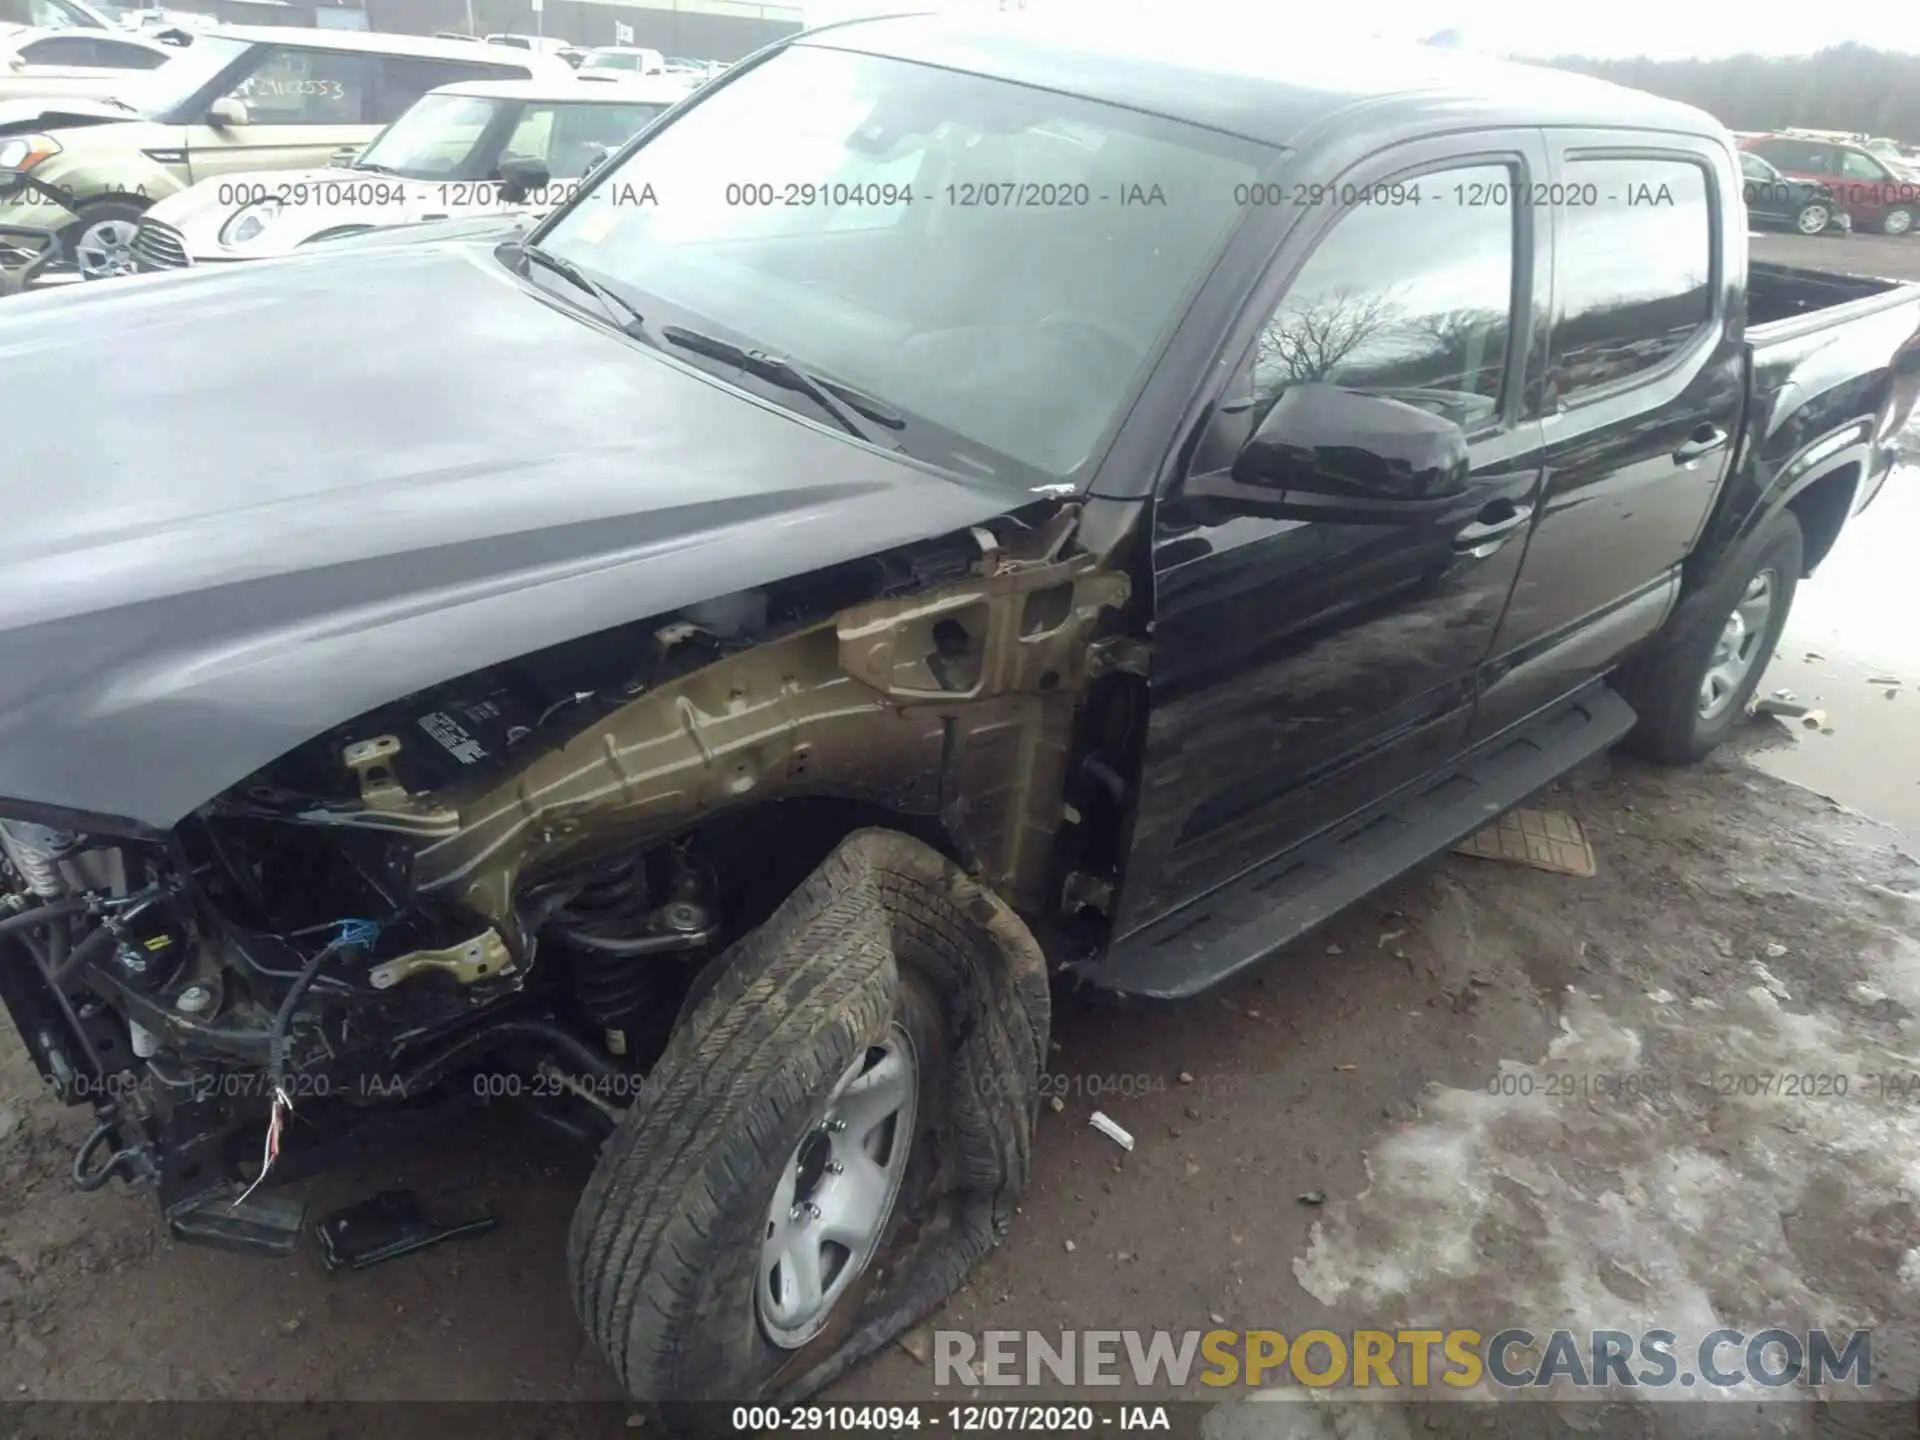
(60, 50)
(583, 134)
(1856, 166)
(1634, 269)
(306, 87)
(404, 79)
(1411, 299)
(532, 136)
(1796, 156)
(126, 57)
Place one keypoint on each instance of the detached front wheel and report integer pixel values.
(835, 1133)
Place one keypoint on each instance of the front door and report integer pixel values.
(1303, 668)
(301, 106)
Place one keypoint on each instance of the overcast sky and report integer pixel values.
(1662, 28)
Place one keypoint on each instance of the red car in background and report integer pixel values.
(1874, 195)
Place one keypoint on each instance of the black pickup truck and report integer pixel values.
(714, 666)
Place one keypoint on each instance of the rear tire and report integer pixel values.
(1813, 219)
(1692, 685)
(1898, 221)
(886, 947)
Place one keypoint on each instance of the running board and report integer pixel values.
(1214, 938)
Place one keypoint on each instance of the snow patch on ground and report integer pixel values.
(1649, 1174)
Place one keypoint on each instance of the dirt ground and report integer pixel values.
(1738, 925)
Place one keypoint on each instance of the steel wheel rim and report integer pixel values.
(1738, 647)
(105, 249)
(837, 1192)
(1898, 223)
(1813, 220)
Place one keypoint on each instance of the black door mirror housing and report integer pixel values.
(520, 178)
(1323, 452)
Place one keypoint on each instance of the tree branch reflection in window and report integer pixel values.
(1411, 300)
(1634, 271)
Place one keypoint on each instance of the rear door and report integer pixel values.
(302, 105)
(1645, 384)
(1304, 668)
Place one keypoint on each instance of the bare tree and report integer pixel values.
(1308, 342)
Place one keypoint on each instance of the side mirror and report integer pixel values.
(598, 158)
(520, 178)
(226, 112)
(1331, 454)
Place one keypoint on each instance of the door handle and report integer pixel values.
(1499, 523)
(1704, 441)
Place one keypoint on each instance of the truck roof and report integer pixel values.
(1226, 79)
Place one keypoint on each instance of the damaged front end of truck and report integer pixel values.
(535, 866)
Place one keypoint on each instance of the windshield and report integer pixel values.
(159, 92)
(434, 139)
(994, 261)
(446, 137)
(599, 60)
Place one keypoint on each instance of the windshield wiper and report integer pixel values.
(376, 168)
(842, 402)
(628, 318)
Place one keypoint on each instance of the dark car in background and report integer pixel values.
(1874, 195)
(1777, 201)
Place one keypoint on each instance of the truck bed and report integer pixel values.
(1785, 301)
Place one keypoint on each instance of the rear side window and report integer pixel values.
(1633, 270)
(126, 57)
(404, 79)
(1797, 155)
(60, 50)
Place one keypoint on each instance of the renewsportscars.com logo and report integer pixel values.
(1514, 1359)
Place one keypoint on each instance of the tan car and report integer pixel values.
(75, 62)
(465, 151)
(235, 100)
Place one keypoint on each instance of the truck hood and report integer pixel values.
(244, 506)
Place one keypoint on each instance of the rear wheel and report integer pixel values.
(1897, 221)
(1692, 686)
(836, 1132)
(1813, 219)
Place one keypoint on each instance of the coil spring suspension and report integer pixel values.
(612, 929)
